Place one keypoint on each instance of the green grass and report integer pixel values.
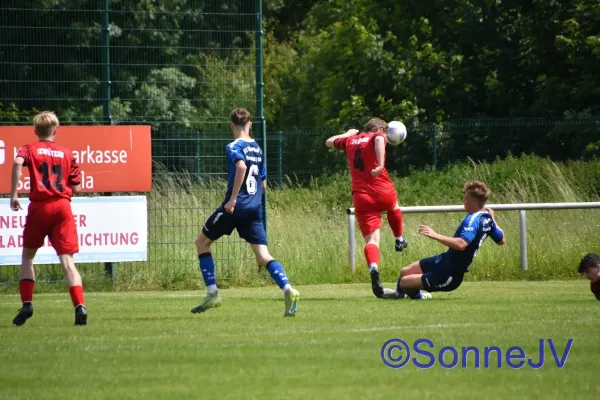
(149, 345)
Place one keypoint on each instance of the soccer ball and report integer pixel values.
(396, 133)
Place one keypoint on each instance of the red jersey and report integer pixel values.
(52, 169)
(362, 159)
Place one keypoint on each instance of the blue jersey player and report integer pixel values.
(444, 272)
(241, 210)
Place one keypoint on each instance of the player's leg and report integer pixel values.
(411, 279)
(369, 222)
(394, 217)
(75, 284)
(411, 285)
(372, 255)
(64, 239)
(291, 295)
(34, 234)
(218, 224)
(26, 286)
(252, 230)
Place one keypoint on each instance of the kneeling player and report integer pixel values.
(444, 272)
(589, 267)
(241, 210)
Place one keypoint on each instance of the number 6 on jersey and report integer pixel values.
(251, 181)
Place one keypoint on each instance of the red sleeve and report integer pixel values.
(340, 143)
(24, 153)
(74, 172)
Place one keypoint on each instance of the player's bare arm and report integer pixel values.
(450, 242)
(380, 152)
(15, 205)
(351, 132)
(240, 174)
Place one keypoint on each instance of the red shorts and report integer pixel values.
(55, 220)
(368, 210)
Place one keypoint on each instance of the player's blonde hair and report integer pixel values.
(45, 124)
(479, 191)
(376, 125)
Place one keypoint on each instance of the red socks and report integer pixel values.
(76, 293)
(395, 221)
(26, 287)
(372, 254)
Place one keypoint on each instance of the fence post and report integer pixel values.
(280, 159)
(523, 238)
(352, 238)
(434, 147)
(109, 267)
(260, 93)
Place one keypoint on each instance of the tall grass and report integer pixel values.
(557, 239)
(307, 227)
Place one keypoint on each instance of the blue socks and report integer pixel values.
(277, 273)
(399, 290)
(207, 267)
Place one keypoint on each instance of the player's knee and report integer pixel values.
(202, 243)
(264, 259)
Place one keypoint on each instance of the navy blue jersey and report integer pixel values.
(250, 196)
(474, 229)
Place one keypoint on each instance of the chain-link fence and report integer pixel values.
(180, 68)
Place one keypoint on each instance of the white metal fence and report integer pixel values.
(459, 208)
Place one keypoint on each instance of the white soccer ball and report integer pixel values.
(396, 133)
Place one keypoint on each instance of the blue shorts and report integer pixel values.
(249, 226)
(439, 275)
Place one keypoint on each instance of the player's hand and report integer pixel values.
(491, 212)
(15, 205)
(230, 206)
(427, 231)
(352, 132)
(376, 171)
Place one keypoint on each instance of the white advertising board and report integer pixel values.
(110, 229)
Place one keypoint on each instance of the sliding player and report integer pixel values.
(241, 210)
(589, 267)
(54, 177)
(444, 272)
(372, 190)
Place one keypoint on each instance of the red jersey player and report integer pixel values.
(372, 190)
(54, 176)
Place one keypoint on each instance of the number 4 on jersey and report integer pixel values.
(359, 164)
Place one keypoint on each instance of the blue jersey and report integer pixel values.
(474, 229)
(250, 197)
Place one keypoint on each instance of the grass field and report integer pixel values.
(148, 345)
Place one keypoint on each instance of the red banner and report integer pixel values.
(111, 158)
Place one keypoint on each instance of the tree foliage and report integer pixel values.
(183, 64)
